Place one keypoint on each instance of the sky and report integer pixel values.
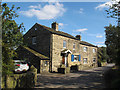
(87, 19)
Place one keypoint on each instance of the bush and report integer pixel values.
(33, 69)
(112, 79)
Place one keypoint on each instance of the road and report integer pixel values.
(92, 78)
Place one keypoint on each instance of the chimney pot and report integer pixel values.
(55, 26)
(78, 37)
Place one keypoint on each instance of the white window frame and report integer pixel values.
(85, 60)
(94, 60)
(64, 44)
(45, 63)
(73, 46)
(85, 49)
(33, 40)
(94, 50)
(76, 58)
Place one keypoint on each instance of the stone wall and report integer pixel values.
(44, 66)
(89, 55)
(25, 80)
(42, 40)
(57, 47)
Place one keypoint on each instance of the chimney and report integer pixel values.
(78, 37)
(55, 26)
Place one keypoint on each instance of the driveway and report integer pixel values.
(92, 78)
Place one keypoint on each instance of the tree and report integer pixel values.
(11, 37)
(113, 10)
(113, 33)
(102, 55)
(113, 43)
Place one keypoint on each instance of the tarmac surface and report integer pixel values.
(92, 79)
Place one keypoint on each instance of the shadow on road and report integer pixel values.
(80, 79)
(92, 78)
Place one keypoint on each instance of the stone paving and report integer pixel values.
(92, 78)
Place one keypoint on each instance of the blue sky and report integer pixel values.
(85, 18)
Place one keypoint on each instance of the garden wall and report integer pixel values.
(24, 80)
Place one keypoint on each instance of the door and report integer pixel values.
(63, 59)
(45, 66)
(66, 62)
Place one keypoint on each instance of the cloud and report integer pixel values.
(99, 36)
(80, 30)
(74, 34)
(81, 10)
(61, 24)
(99, 42)
(49, 11)
(35, 7)
(106, 5)
(101, 45)
(50, 1)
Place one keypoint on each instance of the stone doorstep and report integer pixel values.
(64, 70)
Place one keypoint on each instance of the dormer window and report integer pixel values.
(35, 28)
(33, 40)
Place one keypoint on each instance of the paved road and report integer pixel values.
(92, 78)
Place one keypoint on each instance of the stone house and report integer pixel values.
(60, 49)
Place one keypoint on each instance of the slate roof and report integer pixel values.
(65, 34)
(57, 32)
(35, 53)
(86, 43)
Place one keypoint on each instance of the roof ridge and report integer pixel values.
(66, 35)
(87, 43)
(45, 26)
(57, 32)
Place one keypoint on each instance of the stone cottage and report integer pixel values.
(61, 51)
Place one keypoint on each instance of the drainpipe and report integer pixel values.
(51, 47)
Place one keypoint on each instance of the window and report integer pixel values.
(33, 40)
(35, 28)
(85, 49)
(77, 46)
(94, 50)
(64, 44)
(73, 46)
(94, 60)
(75, 58)
(84, 60)
(45, 63)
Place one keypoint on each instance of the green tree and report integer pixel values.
(11, 37)
(113, 43)
(102, 55)
(113, 10)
